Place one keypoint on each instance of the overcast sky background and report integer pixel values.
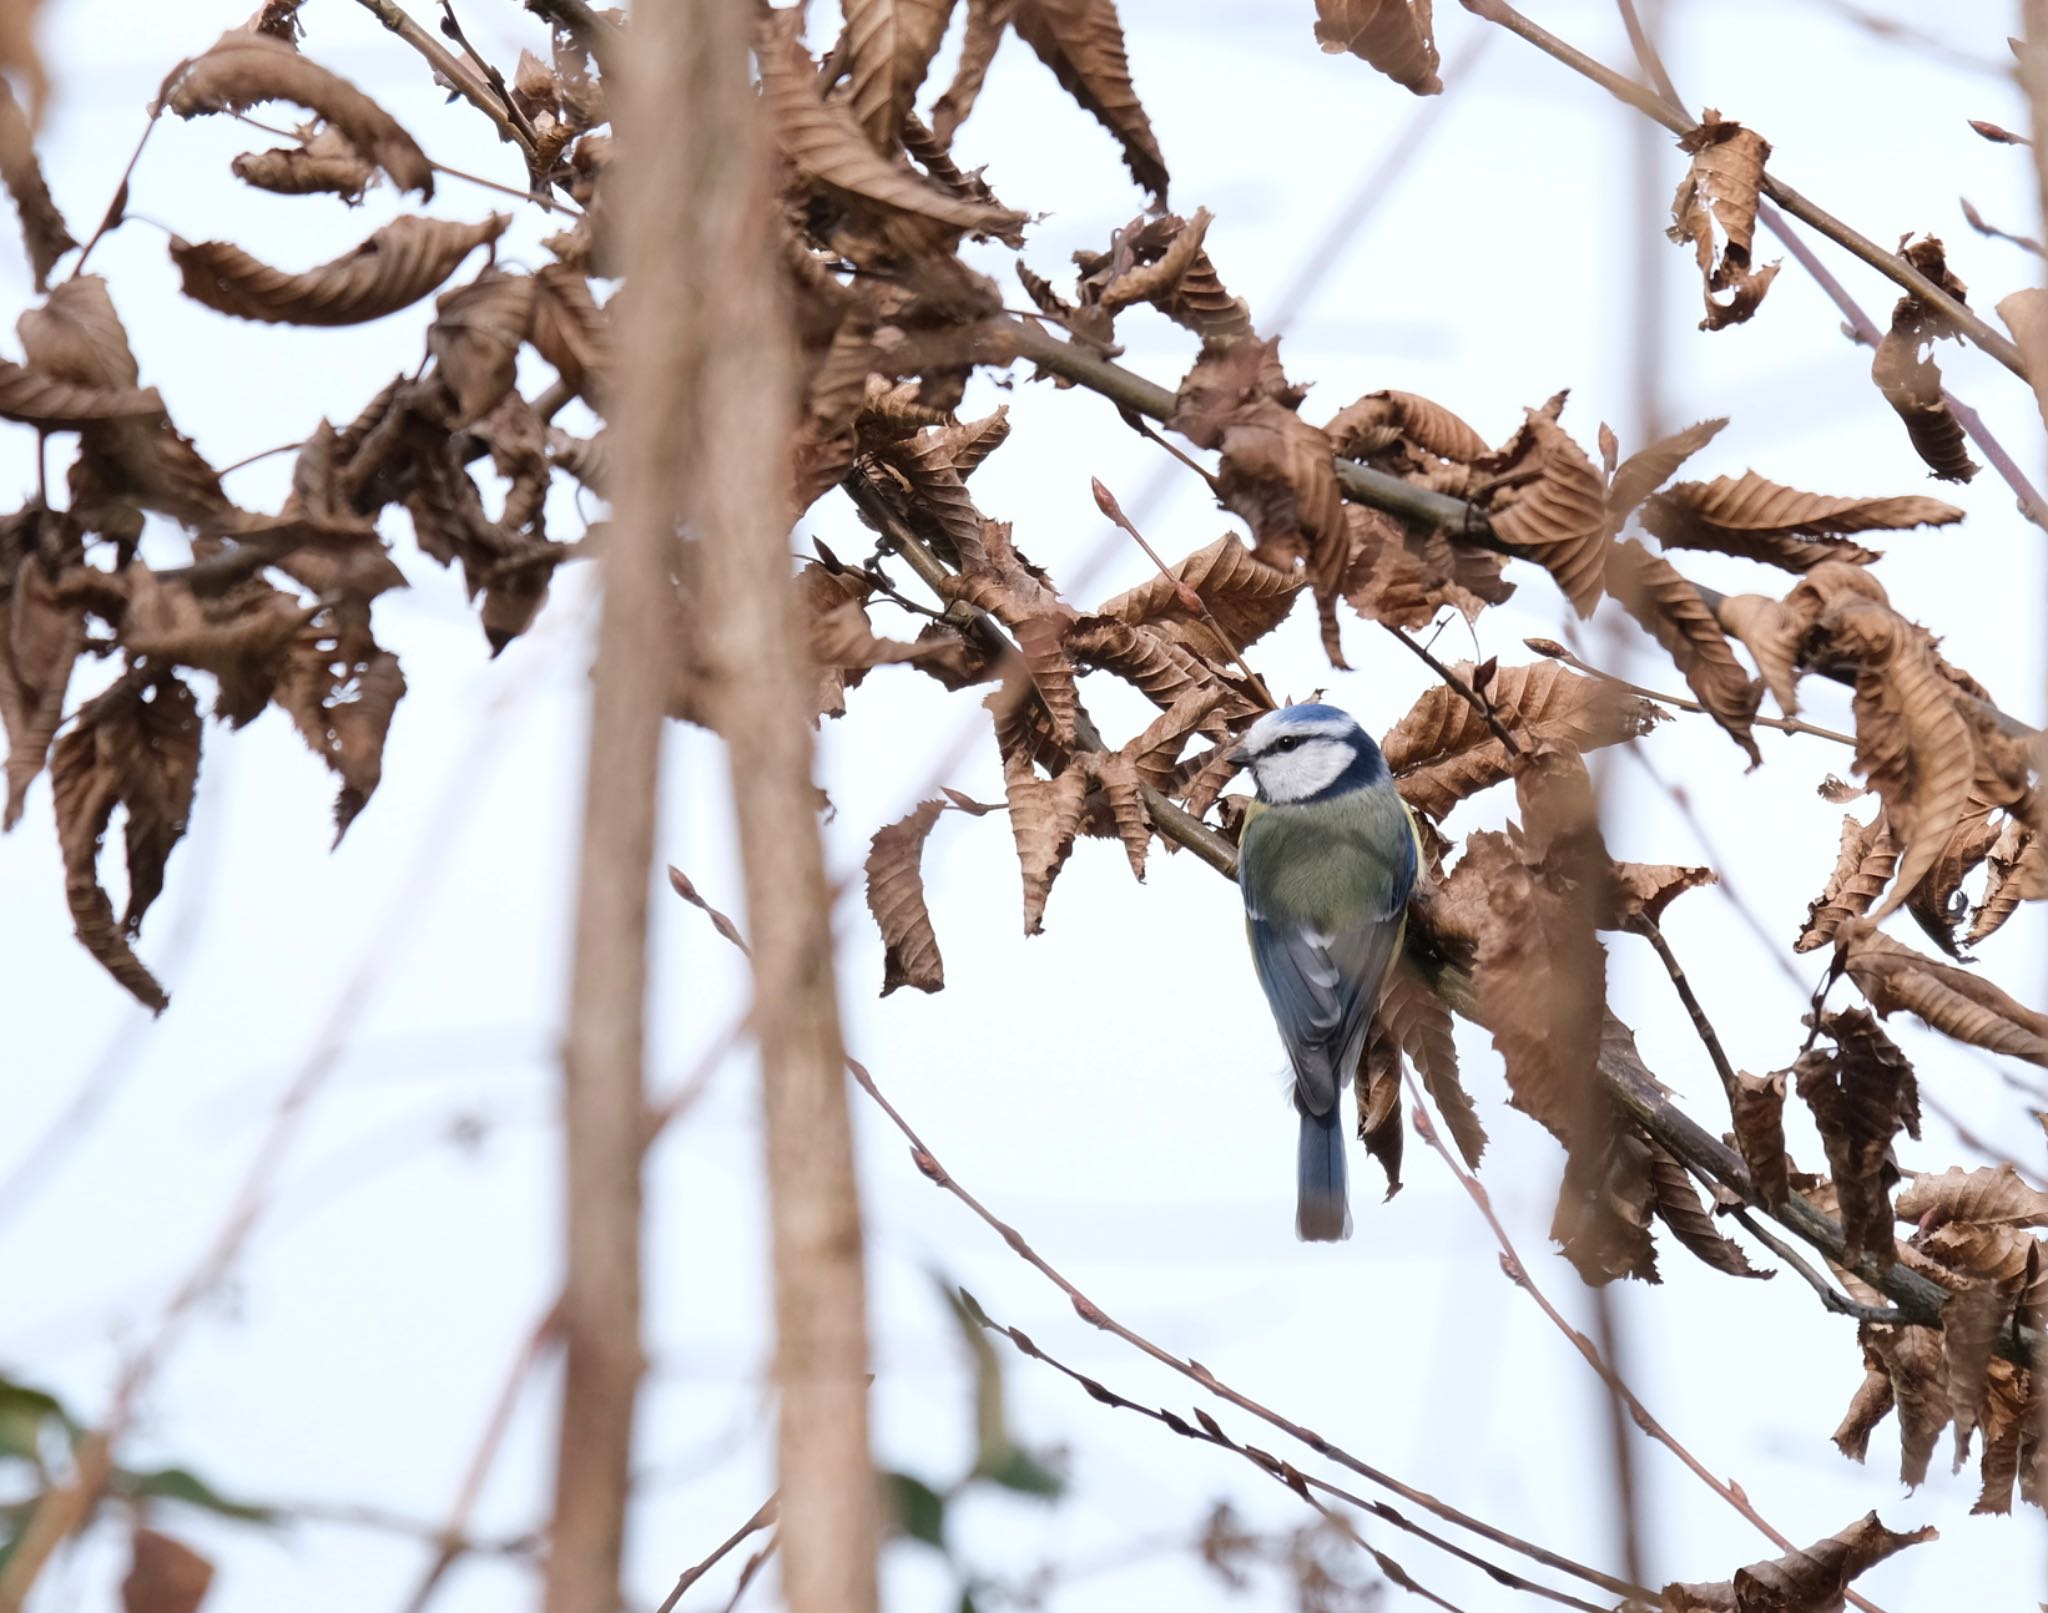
(1111, 1087)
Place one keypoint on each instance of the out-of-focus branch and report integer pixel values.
(763, 1518)
(605, 1100)
(449, 69)
(2034, 79)
(1889, 264)
(735, 480)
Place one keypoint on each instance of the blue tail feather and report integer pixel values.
(1322, 1207)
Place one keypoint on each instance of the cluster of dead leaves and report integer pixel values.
(275, 608)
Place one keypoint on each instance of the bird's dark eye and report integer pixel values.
(1289, 743)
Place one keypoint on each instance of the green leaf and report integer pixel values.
(920, 1510)
(1015, 1468)
(967, 1601)
(181, 1484)
(23, 1414)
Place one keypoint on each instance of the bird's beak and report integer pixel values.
(1237, 756)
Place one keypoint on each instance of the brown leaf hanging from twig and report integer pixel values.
(1443, 750)
(1378, 1086)
(1679, 1208)
(322, 163)
(1910, 381)
(393, 269)
(242, 70)
(1861, 1093)
(1082, 41)
(888, 47)
(135, 746)
(1759, 1114)
(1863, 867)
(1782, 526)
(1951, 999)
(896, 898)
(1404, 574)
(2019, 873)
(1550, 505)
(1670, 608)
(1648, 469)
(1808, 1581)
(42, 226)
(1418, 1019)
(987, 22)
(1720, 191)
(1394, 35)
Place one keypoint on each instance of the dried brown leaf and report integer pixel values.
(164, 1575)
(1864, 865)
(1970, 1321)
(1911, 384)
(1988, 1196)
(888, 48)
(322, 163)
(135, 746)
(896, 898)
(1761, 520)
(987, 22)
(1720, 191)
(1759, 1111)
(571, 331)
(1950, 999)
(1405, 575)
(1419, 1020)
(475, 340)
(1679, 1207)
(1605, 1207)
(2019, 873)
(1551, 506)
(1648, 469)
(1045, 816)
(823, 140)
(394, 268)
(1082, 41)
(1870, 1405)
(1122, 807)
(343, 709)
(1443, 751)
(1379, 419)
(1809, 1581)
(1861, 1093)
(1771, 631)
(1644, 890)
(1246, 597)
(1912, 1359)
(42, 227)
(1378, 1085)
(1672, 610)
(1394, 35)
(40, 639)
(242, 70)
(36, 399)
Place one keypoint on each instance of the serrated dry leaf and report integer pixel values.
(1679, 1207)
(571, 332)
(1909, 379)
(1405, 575)
(1394, 35)
(242, 70)
(1950, 999)
(36, 399)
(343, 709)
(1045, 817)
(393, 269)
(1772, 632)
(1913, 745)
(40, 639)
(823, 140)
(1419, 1020)
(896, 898)
(135, 746)
(1155, 753)
(475, 339)
(1442, 750)
(1870, 1405)
(322, 163)
(1605, 1207)
(1644, 890)
(1912, 1360)
(987, 22)
(1648, 469)
(887, 50)
(1759, 1113)
(1994, 1195)
(1970, 1321)
(1083, 43)
(1551, 506)
(43, 230)
(1377, 1083)
(1720, 190)
(1245, 597)
(1761, 520)
(1809, 1581)
(2019, 873)
(1861, 1093)
(1863, 867)
(1117, 809)
(1379, 419)
(1670, 608)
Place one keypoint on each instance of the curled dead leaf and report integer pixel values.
(324, 162)
(1393, 35)
(1082, 41)
(1761, 520)
(1672, 610)
(1949, 998)
(1550, 506)
(1807, 1581)
(1719, 192)
(896, 898)
(1759, 1112)
(392, 269)
(1648, 469)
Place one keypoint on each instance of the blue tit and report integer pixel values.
(1326, 862)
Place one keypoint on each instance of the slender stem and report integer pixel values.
(1648, 929)
(117, 208)
(524, 194)
(1789, 725)
(764, 1518)
(1472, 697)
(1829, 1297)
(449, 68)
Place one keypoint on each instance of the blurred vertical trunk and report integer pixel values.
(735, 481)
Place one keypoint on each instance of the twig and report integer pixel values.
(1190, 598)
(1471, 696)
(1789, 725)
(1281, 1472)
(452, 1540)
(927, 1162)
(1137, 423)
(753, 1566)
(118, 207)
(1518, 1273)
(1829, 1297)
(491, 76)
(1889, 264)
(449, 69)
(527, 194)
(763, 1518)
(1648, 929)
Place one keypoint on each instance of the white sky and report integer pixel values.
(1111, 1087)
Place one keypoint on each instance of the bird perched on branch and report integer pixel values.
(1326, 861)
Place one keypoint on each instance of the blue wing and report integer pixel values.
(1323, 988)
